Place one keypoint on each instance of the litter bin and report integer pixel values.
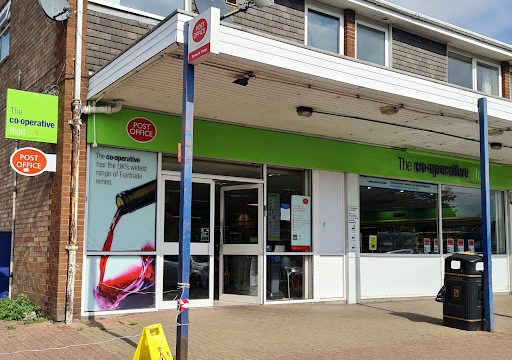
(463, 304)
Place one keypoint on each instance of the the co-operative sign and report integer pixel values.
(31, 116)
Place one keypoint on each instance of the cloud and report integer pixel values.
(487, 17)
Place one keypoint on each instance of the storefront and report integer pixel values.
(271, 221)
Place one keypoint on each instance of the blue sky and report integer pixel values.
(487, 17)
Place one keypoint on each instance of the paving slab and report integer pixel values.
(374, 330)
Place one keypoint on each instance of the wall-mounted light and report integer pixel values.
(304, 111)
(496, 145)
(390, 109)
(243, 80)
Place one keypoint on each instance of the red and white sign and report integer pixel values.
(436, 246)
(471, 245)
(203, 36)
(183, 304)
(460, 245)
(450, 244)
(426, 245)
(30, 161)
(141, 130)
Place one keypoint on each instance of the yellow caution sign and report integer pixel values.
(153, 344)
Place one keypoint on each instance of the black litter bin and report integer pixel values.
(463, 306)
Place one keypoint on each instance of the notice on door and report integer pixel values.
(301, 223)
(372, 244)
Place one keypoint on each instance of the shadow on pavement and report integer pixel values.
(92, 322)
(502, 315)
(410, 316)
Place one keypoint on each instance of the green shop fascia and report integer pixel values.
(240, 143)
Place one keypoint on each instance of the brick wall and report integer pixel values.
(418, 55)
(43, 50)
(284, 19)
(505, 79)
(108, 36)
(349, 33)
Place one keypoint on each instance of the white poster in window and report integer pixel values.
(450, 245)
(426, 245)
(285, 212)
(301, 223)
(273, 221)
(471, 245)
(353, 231)
(436, 246)
(460, 245)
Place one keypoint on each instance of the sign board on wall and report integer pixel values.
(203, 36)
(30, 161)
(273, 217)
(31, 116)
(353, 228)
(301, 223)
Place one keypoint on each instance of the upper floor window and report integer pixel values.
(371, 43)
(473, 74)
(5, 33)
(155, 7)
(324, 30)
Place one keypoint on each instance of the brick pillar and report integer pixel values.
(505, 79)
(349, 33)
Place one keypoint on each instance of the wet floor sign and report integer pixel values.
(153, 344)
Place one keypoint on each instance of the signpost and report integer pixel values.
(30, 161)
(31, 116)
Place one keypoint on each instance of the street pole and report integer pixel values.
(486, 214)
(187, 137)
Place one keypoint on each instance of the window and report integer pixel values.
(371, 44)
(156, 7)
(398, 217)
(5, 31)
(473, 74)
(460, 70)
(487, 79)
(323, 31)
(462, 220)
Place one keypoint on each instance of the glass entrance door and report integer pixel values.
(201, 242)
(241, 253)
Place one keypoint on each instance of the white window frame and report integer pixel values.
(327, 11)
(474, 71)
(384, 29)
(5, 25)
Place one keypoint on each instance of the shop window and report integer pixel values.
(155, 7)
(371, 44)
(398, 217)
(462, 220)
(323, 30)
(473, 74)
(199, 277)
(289, 277)
(5, 31)
(216, 167)
(288, 211)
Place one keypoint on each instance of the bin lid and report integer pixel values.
(468, 258)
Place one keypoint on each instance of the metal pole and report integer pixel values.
(75, 123)
(486, 215)
(187, 137)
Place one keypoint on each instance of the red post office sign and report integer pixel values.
(203, 36)
(141, 130)
(30, 161)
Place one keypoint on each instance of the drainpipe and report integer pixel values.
(106, 109)
(75, 123)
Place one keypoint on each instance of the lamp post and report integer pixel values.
(205, 37)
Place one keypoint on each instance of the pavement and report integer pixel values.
(406, 329)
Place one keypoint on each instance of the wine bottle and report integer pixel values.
(131, 200)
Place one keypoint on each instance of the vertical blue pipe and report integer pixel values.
(187, 137)
(486, 215)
